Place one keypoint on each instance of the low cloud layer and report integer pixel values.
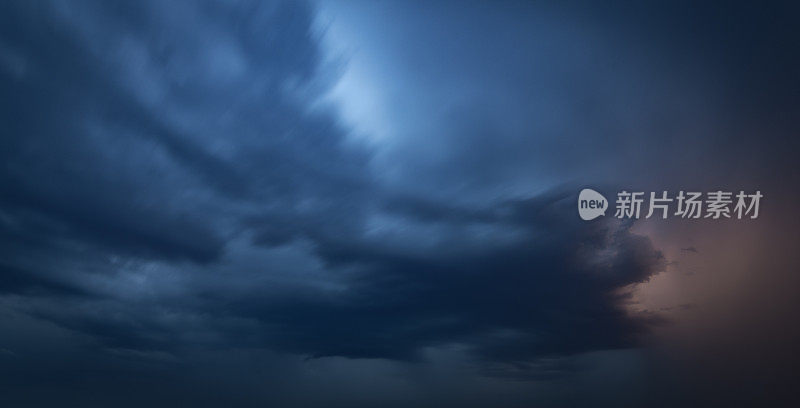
(178, 184)
(153, 151)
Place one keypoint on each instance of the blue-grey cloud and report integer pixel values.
(176, 185)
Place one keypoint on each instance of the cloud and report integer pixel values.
(553, 292)
(171, 182)
(151, 139)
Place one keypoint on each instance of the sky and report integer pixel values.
(373, 203)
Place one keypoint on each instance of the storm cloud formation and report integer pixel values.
(177, 183)
(139, 137)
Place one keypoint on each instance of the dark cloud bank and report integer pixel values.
(172, 189)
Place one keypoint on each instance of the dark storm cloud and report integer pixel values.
(552, 293)
(55, 168)
(19, 281)
(115, 161)
(147, 146)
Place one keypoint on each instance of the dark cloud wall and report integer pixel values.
(188, 216)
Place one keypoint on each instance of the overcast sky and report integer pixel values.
(373, 203)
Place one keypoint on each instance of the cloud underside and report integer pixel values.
(170, 180)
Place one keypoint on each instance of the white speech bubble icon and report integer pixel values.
(591, 204)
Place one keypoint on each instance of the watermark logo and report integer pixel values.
(686, 204)
(591, 204)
